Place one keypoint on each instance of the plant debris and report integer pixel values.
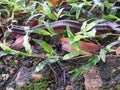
(54, 44)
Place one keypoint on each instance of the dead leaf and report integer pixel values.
(118, 51)
(55, 2)
(18, 44)
(89, 47)
(5, 15)
(33, 23)
(86, 46)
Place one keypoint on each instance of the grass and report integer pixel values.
(81, 11)
(39, 85)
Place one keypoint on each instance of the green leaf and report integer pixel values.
(89, 26)
(98, 3)
(47, 11)
(110, 17)
(72, 1)
(73, 54)
(80, 71)
(53, 60)
(72, 41)
(7, 49)
(76, 45)
(109, 46)
(70, 34)
(107, 4)
(102, 54)
(50, 29)
(91, 33)
(44, 45)
(93, 61)
(78, 10)
(119, 38)
(40, 66)
(79, 37)
(83, 26)
(2, 53)
(33, 16)
(41, 32)
(26, 44)
(86, 27)
(59, 13)
(87, 3)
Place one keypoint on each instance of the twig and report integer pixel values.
(86, 56)
(116, 56)
(113, 34)
(64, 76)
(55, 74)
(63, 71)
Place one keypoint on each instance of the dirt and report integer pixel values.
(105, 76)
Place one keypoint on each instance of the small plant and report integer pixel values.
(87, 12)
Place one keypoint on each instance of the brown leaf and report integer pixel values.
(55, 2)
(5, 15)
(118, 51)
(33, 23)
(18, 44)
(86, 46)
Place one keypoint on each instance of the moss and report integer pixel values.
(117, 87)
(39, 85)
(1, 63)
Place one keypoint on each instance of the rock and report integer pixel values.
(93, 79)
(69, 87)
(117, 77)
(48, 89)
(21, 73)
(36, 76)
(25, 76)
(9, 88)
(21, 83)
(13, 70)
(21, 77)
(4, 77)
